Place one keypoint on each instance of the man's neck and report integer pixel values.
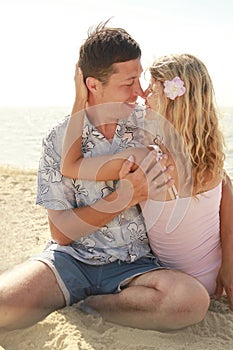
(108, 130)
(101, 116)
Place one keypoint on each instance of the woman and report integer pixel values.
(185, 232)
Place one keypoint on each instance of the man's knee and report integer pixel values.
(188, 298)
(28, 293)
(180, 299)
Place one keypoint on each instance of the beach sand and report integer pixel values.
(24, 232)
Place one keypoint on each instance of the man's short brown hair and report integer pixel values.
(104, 47)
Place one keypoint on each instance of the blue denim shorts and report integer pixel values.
(78, 280)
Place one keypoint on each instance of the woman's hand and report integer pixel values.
(224, 281)
(80, 86)
(225, 275)
(81, 91)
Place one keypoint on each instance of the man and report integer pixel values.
(113, 264)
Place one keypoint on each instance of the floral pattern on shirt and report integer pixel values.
(124, 237)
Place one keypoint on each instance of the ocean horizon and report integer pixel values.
(23, 128)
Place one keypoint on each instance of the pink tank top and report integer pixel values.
(185, 234)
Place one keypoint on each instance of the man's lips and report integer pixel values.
(131, 104)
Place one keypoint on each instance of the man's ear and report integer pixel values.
(92, 84)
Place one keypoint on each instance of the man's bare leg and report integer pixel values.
(28, 293)
(160, 300)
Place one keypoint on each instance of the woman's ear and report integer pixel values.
(92, 84)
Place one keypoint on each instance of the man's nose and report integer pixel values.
(138, 91)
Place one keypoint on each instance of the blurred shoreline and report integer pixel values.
(22, 130)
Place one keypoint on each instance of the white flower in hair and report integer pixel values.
(174, 88)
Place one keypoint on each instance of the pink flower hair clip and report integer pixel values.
(174, 88)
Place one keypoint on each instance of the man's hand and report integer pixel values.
(150, 180)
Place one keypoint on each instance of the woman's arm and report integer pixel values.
(106, 167)
(225, 275)
(67, 226)
(72, 148)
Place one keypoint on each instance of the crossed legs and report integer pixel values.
(159, 300)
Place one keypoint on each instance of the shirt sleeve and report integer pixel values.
(54, 191)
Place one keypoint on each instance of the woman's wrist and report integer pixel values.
(79, 105)
(227, 246)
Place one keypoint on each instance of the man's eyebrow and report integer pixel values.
(133, 77)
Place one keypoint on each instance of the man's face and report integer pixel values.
(123, 86)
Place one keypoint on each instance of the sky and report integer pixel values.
(40, 40)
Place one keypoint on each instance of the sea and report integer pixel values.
(23, 128)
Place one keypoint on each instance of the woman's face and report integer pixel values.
(154, 95)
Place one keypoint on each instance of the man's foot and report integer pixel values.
(81, 305)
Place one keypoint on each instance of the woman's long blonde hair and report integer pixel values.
(194, 114)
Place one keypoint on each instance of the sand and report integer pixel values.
(24, 231)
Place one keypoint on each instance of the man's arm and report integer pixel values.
(69, 225)
(225, 276)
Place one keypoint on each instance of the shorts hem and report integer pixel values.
(127, 280)
(60, 282)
